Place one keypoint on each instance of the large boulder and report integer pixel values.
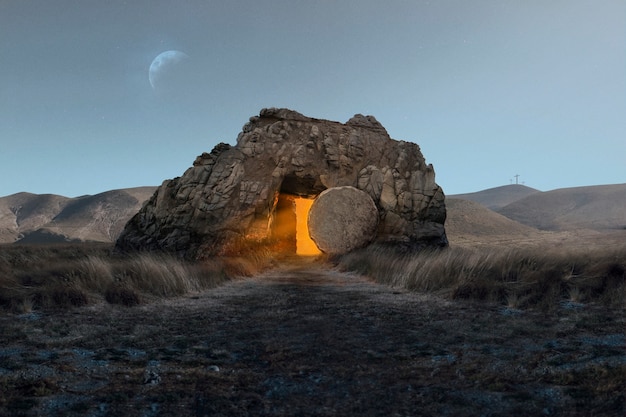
(342, 219)
(227, 201)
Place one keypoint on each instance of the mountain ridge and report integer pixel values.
(49, 218)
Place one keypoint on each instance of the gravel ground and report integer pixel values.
(305, 339)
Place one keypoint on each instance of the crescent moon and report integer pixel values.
(164, 63)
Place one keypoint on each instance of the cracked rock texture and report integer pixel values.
(226, 201)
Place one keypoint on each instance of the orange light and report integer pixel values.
(304, 245)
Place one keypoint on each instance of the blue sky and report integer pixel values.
(488, 89)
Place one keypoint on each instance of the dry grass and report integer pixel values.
(305, 339)
(37, 277)
(518, 277)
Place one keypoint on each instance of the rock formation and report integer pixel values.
(342, 219)
(227, 201)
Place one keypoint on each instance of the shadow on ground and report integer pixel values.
(305, 339)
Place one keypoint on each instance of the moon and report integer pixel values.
(167, 70)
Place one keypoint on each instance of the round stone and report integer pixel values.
(342, 219)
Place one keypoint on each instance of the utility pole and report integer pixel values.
(516, 178)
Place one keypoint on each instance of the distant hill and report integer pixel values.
(47, 218)
(498, 197)
(470, 222)
(600, 207)
(24, 212)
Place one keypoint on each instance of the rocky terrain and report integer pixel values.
(228, 198)
(306, 339)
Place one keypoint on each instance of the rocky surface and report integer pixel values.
(312, 342)
(227, 200)
(342, 219)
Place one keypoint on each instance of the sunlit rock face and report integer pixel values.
(232, 199)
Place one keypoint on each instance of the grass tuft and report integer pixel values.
(536, 277)
(122, 295)
(65, 276)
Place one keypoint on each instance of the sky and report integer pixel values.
(489, 89)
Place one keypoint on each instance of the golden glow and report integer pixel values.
(304, 245)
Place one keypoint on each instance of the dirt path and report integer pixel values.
(307, 340)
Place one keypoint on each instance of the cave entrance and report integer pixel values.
(305, 246)
(290, 224)
(290, 229)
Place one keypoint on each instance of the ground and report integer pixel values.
(306, 339)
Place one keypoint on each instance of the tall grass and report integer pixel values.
(518, 277)
(36, 277)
